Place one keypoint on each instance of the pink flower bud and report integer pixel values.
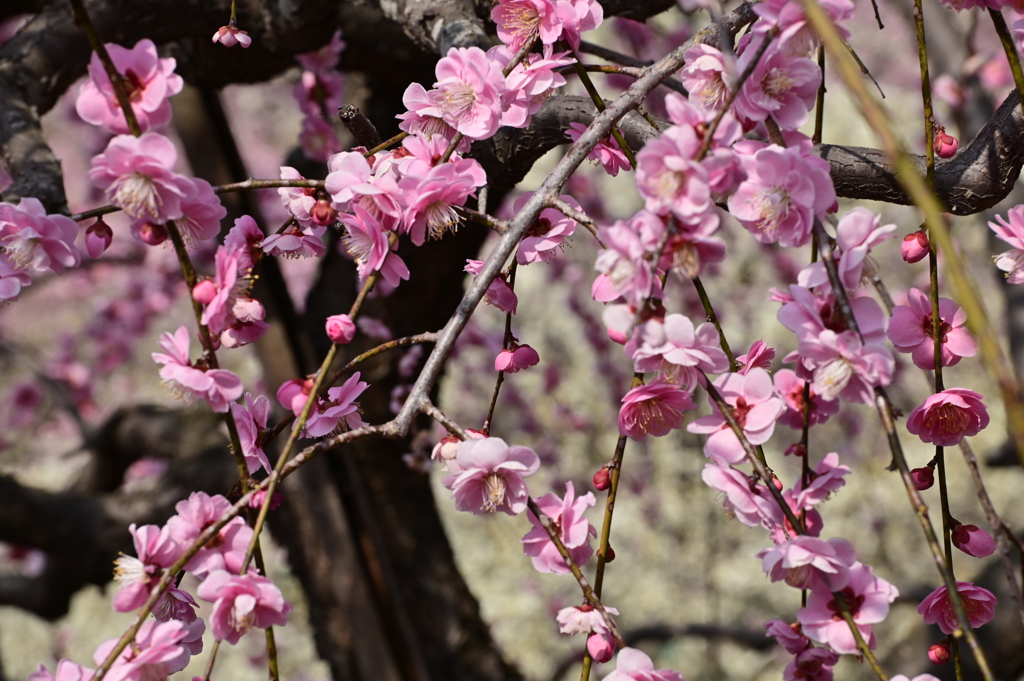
(97, 238)
(972, 540)
(924, 477)
(257, 499)
(151, 234)
(795, 449)
(341, 329)
(915, 246)
(322, 213)
(204, 292)
(939, 653)
(602, 480)
(516, 357)
(945, 145)
(601, 647)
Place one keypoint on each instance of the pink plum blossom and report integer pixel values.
(136, 577)
(796, 35)
(607, 152)
(634, 665)
(241, 602)
(299, 201)
(339, 411)
(429, 199)
(149, 82)
(520, 20)
(490, 476)
(586, 619)
(867, 598)
(246, 238)
(231, 35)
(1012, 232)
(670, 179)
(972, 540)
(219, 387)
(468, 92)
(705, 77)
(34, 242)
(547, 234)
(228, 547)
(578, 16)
(574, 531)
(759, 356)
(808, 314)
(319, 91)
(756, 408)
(947, 417)
(809, 563)
(367, 242)
(340, 329)
(924, 477)
(945, 145)
(623, 262)
(748, 501)
(979, 603)
(787, 635)
(826, 478)
(98, 237)
(251, 420)
(423, 118)
(858, 231)
(325, 57)
(672, 347)
(911, 328)
(812, 664)
(653, 409)
(349, 177)
(515, 358)
(297, 242)
(159, 650)
(138, 176)
(785, 189)
(499, 293)
(781, 86)
(201, 214)
(529, 83)
(791, 389)
(846, 368)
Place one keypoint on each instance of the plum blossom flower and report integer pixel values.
(520, 20)
(846, 368)
(226, 551)
(625, 269)
(148, 80)
(915, 247)
(201, 214)
(319, 91)
(338, 411)
(490, 476)
(137, 576)
(867, 599)
(138, 176)
(367, 242)
(499, 293)
(297, 242)
(826, 478)
(704, 76)
(231, 35)
(578, 16)
(98, 237)
(1012, 232)
(781, 86)
(785, 189)
(547, 234)
(796, 35)
(34, 242)
(791, 389)
(748, 501)
(159, 650)
(340, 329)
(756, 408)
(787, 635)
(241, 602)
(586, 619)
(858, 231)
(945, 145)
(653, 409)
(812, 664)
(317, 139)
(979, 603)
(529, 83)
(947, 417)
(808, 563)
(759, 356)
(515, 358)
(923, 477)
(429, 198)
(972, 540)
(668, 177)
(911, 328)
(219, 387)
(468, 92)
(673, 347)
(246, 238)
(251, 420)
(634, 665)
(607, 152)
(574, 531)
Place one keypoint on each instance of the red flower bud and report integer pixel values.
(151, 234)
(602, 480)
(923, 477)
(939, 653)
(945, 145)
(609, 555)
(915, 246)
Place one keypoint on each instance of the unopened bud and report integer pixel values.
(923, 477)
(98, 238)
(340, 329)
(322, 213)
(204, 292)
(915, 246)
(609, 555)
(602, 480)
(945, 145)
(151, 234)
(939, 653)
(796, 449)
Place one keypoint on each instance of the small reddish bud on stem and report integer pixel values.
(915, 246)
(602, 480)
(939, 653)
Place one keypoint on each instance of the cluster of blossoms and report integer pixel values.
(241, 600)
(319, 93)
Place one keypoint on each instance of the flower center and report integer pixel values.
(21, 248)
(136, 194)
(929, 328)
(774, 208)
(456, 99)
(832, 377)
(776, 83)
(947, 419)
(714, 94)
(134, 85)
(521, 20)
(853, 604)
(440, 218)
(494, 491)
(740, 410)
(130, 570)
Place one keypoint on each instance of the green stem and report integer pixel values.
(588, 84)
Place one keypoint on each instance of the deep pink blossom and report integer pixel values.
(867, 598)
(785, 189)
(339, 411)
(808, 314)
(515, 358)
(138, 176)
(947, 417)
(547, 234)
(423, 118)
(297, 242)
(812, 664)
(1012, 232)
(219, 387)
(791, 388)
(299, 201)
(781, 86)
(911, 328)
(675, 349)
(367, 242)
(939, 653)
(490, 476)
(972, 540)
(574, 531)
(808, 563)
(499, 293)
(979, 603)
(787, 635)
(429, 199)
(228, 547)
(578, 16)
(915, 247)
(251, 420)
(340, 329)
(653, 409)
(747, 500)
(924, 477)
(634, 665)
(945, 146)
(529, 83)
(149, 82)
(520, 20)
(159, 650)
(246, 238)
(607, 152)
(34, 242)
(241, 602)
(756, 408)
(231, 35)
(468, 92)
(98, 237)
